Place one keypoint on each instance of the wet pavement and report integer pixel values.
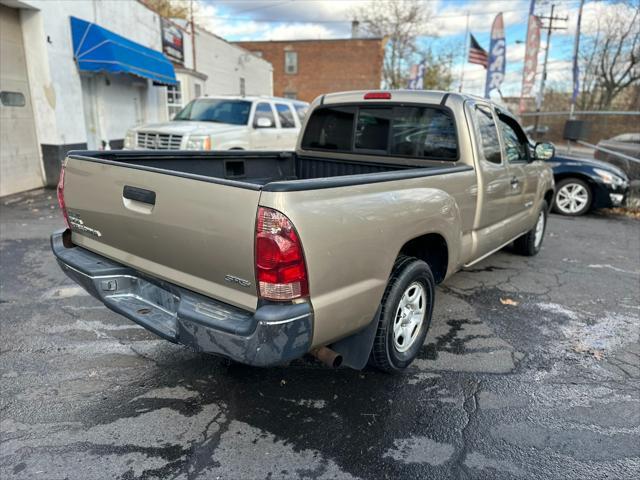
(531, 370)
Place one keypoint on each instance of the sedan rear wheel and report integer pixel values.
(572, 198)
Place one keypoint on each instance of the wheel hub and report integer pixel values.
(409, 316)
(539, 232)
(572, 198)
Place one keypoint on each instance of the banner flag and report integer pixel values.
(416, 78)
(497, 56)
(530, 59)
(412, 76)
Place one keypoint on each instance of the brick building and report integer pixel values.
(305, 69)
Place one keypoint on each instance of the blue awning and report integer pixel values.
(98, 49)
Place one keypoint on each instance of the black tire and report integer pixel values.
(576, 181)
(384, 355)
(526, 244)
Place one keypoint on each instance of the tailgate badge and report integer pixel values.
(240, 281)
(77, 224)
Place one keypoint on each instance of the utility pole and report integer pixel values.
(576, 70)
(550, 28)
(193, 36)
(465, 59)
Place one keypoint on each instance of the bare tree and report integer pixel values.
(399, 22)
(437, 72)
(610, 56)
(169, 8)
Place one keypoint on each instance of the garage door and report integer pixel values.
(20, 166)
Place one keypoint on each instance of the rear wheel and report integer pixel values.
(573, 197)
(530, 243)
(407, 306)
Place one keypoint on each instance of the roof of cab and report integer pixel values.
(406, 96)
(251, 98)
(415, 96)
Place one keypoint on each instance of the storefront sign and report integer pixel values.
(172, 41)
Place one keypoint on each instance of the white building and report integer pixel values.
(50, 103)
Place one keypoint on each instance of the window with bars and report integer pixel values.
(174, 99)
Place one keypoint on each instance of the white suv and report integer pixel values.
(225, 123)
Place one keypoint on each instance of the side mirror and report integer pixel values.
(263, 122)
(544, 151)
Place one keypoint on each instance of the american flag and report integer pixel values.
(477, 54)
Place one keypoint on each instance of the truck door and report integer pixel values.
(493, 182)
(522, 181)
(264, 135)
(288, 132)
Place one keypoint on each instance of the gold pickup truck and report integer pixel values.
(333, 250)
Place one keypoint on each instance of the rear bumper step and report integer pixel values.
(272, 335)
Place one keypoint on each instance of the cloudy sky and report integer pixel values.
(323, 19)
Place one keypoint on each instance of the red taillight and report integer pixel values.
(280, 268)
(60, 189)
(377, 96)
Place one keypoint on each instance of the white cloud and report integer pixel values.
(452, 19)
(593, 13)
(332, 18)
(515, 52)
(298, 31)
(234, 27)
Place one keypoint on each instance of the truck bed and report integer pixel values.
(271, 171)
(189, 217)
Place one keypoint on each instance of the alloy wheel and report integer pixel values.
(572, 198)
(409, 316)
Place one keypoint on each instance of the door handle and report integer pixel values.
(514, 182)
(139, 195)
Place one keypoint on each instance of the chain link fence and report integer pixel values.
(601, 125)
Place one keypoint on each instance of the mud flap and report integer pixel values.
(355, 349)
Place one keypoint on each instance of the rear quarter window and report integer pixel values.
(403, 131)
(301, 109)
(330, 129)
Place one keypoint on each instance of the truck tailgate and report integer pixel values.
(194, 233)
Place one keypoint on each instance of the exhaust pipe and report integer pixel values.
(327, 356)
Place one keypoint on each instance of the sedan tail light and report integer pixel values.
(281, 271)
(60, 191)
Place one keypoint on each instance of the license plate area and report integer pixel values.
(144, 302)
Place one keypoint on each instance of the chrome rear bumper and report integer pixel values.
(272, 335)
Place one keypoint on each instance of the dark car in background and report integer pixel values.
(585, 184)
(627, 144)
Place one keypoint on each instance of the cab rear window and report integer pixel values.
(404, 131)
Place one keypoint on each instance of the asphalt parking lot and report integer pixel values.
(531, 370)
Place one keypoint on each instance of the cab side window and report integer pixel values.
(286, 116)
(514, 145)
(263, 110)
(488, 135)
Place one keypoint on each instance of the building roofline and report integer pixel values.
(203, 31)
(312, 40)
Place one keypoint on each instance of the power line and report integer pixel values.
(274, 20)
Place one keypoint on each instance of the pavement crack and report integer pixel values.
(470, 406)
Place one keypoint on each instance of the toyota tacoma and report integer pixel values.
(334, 249)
